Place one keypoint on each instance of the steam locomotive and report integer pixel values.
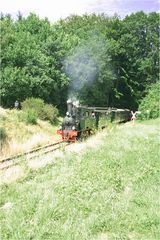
(80, 121)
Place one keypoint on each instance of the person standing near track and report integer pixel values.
(16, 104)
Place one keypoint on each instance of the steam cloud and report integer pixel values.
(83, 66)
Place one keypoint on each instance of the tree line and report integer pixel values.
(101, 60)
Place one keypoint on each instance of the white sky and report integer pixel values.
(56, 9)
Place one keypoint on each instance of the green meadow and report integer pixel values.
(109, 190)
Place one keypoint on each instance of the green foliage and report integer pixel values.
(29, 116)
(33, 103)
(111, 61)
(49, 113)
(150, 105)
(30, 61)
(43, 111)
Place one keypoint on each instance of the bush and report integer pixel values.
(49, 113)
(150, 105)
(43, 111)
(33, 103)
(29, 116)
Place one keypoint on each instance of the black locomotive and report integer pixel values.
(82, 120)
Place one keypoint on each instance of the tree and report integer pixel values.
(104, 60)
(150, 105)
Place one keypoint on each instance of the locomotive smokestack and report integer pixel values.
(69, 106)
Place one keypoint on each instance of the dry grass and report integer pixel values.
(12, 174)
(22, 137)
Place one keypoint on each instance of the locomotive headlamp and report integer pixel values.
(73, 128)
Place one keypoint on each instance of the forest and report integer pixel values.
(101, 60)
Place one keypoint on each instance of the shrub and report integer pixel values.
(43, 111)
(33, 103)
(150, 105)
(29, 116)
(49, 113)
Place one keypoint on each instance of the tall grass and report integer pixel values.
(110, 190)
(21, 131)
(3, 135)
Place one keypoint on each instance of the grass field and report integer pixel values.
(110, 190)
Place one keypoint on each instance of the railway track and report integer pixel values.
(15, 160)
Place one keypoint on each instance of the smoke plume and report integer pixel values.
(84, 64)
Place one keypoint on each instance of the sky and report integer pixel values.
(56, 9)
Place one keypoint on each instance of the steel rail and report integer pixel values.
(28, 152)
(10, 159)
